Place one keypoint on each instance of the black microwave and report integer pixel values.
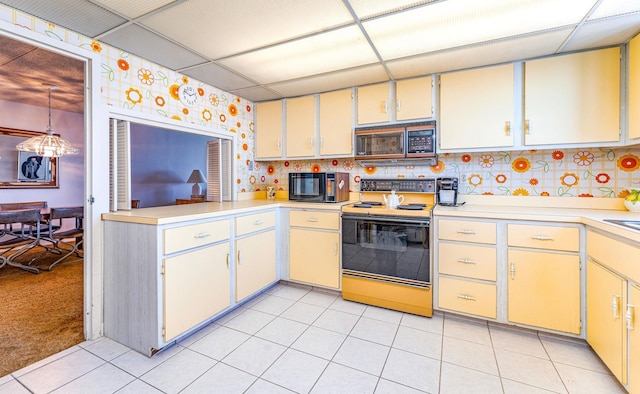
(319, 186)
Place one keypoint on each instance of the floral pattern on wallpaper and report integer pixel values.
(138, 85)
(597, 172)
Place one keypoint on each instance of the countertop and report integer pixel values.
(588, 211)
(180, 213)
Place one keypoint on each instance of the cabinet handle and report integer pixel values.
(398, 105)
(279, 144)
(238, 256)
(526, 126)
(507, 128)
(466, 231)
(312, 220)
(335, 249)
(629, 316)
(614, 306)
(466, 297)
(466, 261)
(512, 270)
(258, 222)
(227, 260)
(201, 235)
(321, 142)
(542, 237)
(310, 143)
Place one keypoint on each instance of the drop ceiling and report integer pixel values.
(271, 49)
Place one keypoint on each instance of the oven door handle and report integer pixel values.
(402, 220)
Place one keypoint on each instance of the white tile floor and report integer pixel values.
(295, 339)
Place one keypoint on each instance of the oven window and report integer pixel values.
(393, 250)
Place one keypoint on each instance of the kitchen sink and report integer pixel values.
(632, 224)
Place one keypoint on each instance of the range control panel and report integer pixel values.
(421, 185)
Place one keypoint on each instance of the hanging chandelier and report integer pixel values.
(48, 145)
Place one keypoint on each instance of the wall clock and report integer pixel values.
(188, 95)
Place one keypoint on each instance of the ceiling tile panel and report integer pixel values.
(480, 55)
(602, 33)
(331, 51)
(133, 9)
(615, 7)
(141, 42)
(80, 16)
(333, 81)
(256, 94)
(366, 9)
(218, 76)
(221, 28)
(455, 23)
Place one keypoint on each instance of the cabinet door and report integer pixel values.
(373, 104)
(269, 130)
(476, 108)
(196, 286)
(314, 257)
(605, 318)
(544, 290)
(634, 339)
(255, 263)
(634, 88)
(336, 123)
(413, 99)
(301, 127)
(573, 98)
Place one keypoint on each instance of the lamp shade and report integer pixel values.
(196, 177)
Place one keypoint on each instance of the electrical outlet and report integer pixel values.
(251, 165)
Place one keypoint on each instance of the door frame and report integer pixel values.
(96, 163)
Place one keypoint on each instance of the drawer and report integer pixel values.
(193, 235)
(544, 237)
(255, 222)
(468, 297)
(470, 261)
(315, 219)
(618, 256)
(468, 231)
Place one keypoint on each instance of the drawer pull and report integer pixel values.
(201, 235)
(466, 231)
(614, 306)
(466, 261)
(466, 297)
(629, 316)
(258, 223)
(542, 237)
(312, 220)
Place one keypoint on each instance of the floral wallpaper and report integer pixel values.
(141, 86)
(597, 172)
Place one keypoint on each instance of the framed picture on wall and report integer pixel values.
(33, 168)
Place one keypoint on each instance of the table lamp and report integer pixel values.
(196, 178)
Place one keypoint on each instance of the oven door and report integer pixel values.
(386, 248)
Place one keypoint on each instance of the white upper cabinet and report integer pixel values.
(573, 99)
(301, 127)
(269, 130)
(477, 108)
(633, 109)
(403, 100)
(414, 98)
(373, 103)
(336, 123)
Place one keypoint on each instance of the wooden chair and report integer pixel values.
(58, 237)
(14, 242)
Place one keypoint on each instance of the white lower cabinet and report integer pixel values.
(314, 247)
(633, 325)
(196, 286)
(163, 281)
